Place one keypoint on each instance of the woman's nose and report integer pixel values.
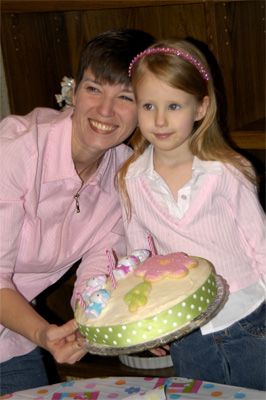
(106, 107)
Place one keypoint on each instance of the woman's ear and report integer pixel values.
(74, 93)
(202, 108)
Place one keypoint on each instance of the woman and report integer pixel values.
(58, 202)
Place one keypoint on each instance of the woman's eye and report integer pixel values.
(92, 89)
(126, 98)
(174, 107)
(148, 106)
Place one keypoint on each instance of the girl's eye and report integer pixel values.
(174, 107)
(148, 107)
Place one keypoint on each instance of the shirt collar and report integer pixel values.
(58, 162)
(207, 167)
(143, 166)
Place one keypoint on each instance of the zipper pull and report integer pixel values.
(76, 197)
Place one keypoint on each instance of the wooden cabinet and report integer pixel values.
(42, 41)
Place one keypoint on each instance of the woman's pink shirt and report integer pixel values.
(41, 234)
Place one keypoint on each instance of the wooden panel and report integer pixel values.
(21, 6)
(250, 136)
(249, 139)
(240, 28)
(40, 48)
(36, 57)
(70, 5)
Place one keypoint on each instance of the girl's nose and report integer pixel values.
(160, 119)
(106, 107)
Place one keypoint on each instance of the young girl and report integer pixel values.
(185, 187)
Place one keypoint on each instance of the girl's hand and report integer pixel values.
(61, 342)
(160, 351)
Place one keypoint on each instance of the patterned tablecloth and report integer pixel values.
(136, 388)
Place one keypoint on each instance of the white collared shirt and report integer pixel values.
(161, 191)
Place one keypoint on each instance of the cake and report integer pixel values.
(149, 300)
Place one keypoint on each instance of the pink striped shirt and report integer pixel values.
(224, 223)
(41, 233)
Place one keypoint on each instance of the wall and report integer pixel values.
(41, 42)
(4, 105)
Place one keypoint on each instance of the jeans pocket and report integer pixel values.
(255, 323)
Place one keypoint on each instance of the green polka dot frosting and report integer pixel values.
(156, 325)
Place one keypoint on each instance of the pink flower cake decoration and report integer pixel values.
(174, 265)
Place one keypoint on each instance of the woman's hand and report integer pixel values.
(160, 351)
(60, 341)
(19, 316)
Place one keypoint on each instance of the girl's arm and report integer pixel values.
(19, 316)
(250, 219)
(18, 163)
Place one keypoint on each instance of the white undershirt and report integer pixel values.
(240, 303)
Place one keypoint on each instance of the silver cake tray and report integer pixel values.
(202, 319)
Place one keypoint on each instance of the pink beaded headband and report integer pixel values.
(169, 50)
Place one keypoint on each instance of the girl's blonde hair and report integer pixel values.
(207, 141)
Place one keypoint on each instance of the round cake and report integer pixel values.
(154, 298)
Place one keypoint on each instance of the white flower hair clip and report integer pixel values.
(65, 98)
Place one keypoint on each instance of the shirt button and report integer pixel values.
(183, 197)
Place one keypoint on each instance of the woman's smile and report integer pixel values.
(101, 127)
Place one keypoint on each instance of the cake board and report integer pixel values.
(202, 319)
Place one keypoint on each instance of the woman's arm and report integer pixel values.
(19, 316)
(21, 166)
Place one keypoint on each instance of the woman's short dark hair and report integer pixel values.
(109, 54)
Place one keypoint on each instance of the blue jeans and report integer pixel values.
(234, 356)
(23, 372)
